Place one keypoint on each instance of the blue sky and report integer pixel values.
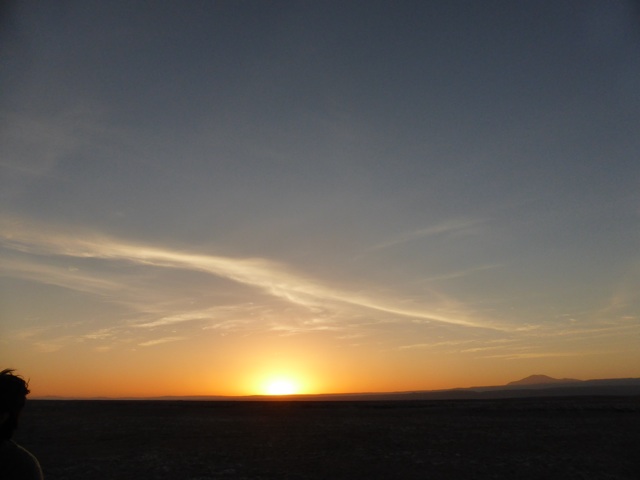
(413, 186)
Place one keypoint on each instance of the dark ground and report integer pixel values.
(563, 438)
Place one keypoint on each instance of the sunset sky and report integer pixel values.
(208, 197)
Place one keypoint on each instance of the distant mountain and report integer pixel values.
(541, 380)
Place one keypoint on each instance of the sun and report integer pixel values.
(282, 387)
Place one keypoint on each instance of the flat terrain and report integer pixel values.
(567, 438)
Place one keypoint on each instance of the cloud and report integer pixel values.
(270, 277)
(519, 356)
(222, 316)
(174, 319)
(449, 343)
(462, 273)
(102, 334)
(627, 293)
(34, 270)
(159, 341)
(450, 226)
(451, 346)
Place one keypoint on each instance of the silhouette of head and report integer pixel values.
(13, 395)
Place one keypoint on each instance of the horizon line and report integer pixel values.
(554, 383)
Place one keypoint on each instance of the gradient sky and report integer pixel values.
(201, 197)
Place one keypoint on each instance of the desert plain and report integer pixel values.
(524, 438)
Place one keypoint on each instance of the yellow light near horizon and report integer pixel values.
(282, 387)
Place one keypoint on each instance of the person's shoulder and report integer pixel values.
(19, 462)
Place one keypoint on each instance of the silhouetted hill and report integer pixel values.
(541, 380)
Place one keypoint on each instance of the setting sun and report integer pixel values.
(281, 387)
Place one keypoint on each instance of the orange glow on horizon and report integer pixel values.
(251, 367)
(280, 384)
(282, 387)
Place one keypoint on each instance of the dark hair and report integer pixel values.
(13, 395)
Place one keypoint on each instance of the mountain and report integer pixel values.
(541, 380)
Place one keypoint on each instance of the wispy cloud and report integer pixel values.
(462, 273)
(176, 319)
(270, 277)
(449, 343)
(54, 337)
(32, 269)
(448, 227)
(159, 341)
(626, 295)
(519, 356)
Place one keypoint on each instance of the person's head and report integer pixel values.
(13, 395)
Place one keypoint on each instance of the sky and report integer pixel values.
(210, 197)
